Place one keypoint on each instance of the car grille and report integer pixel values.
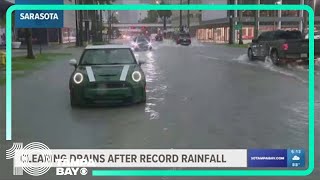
(109, 85)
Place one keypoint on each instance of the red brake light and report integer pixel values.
(285, 46)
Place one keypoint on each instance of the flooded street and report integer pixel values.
(202, 96)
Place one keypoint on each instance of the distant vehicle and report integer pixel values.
(183, 39)
(281, 45)
(159, 37)
(153, 37)
(141, 43)
(316, 35)
(107, 74)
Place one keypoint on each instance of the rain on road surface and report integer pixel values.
(202, 96)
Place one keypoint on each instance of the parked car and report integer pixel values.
(316, 35)
(281, 45)
(153, 37)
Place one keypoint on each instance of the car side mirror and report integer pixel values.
(254, 40)
(73, 62)
(140, 62)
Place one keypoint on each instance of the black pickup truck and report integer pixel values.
(282, 46)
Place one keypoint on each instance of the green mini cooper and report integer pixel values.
(108, 74)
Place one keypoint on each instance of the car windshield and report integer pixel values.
(107, 57)
(142, 40)
(185, 35)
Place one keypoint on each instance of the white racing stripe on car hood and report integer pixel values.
(90, 74)
(124, 73)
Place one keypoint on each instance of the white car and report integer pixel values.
(153, 37)
(316, 35)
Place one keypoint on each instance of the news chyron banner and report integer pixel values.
(39, 19)
(37, 159)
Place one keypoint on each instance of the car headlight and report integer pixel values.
(135, 44)
(78, 78)
(149, 44)
(136, 76)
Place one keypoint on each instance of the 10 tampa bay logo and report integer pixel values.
(36, 159)
(71, 171)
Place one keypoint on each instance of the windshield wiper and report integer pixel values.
(89, 64)
(104, 64)
(118, 63)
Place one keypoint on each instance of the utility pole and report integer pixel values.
(77, 26)
(230, 27)
(256, 21)
(305, 18)
(241, 26)
(180, 17)
(256, 24)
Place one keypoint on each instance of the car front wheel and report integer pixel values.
(250, 55)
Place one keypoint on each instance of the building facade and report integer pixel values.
(215, 25)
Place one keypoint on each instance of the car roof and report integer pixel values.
(108, 46)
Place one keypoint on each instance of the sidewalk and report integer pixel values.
(22, 51)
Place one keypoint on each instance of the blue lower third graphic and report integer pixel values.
(267, 158)
(296, 158)
(39, 19)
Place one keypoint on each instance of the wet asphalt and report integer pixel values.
(201, 96)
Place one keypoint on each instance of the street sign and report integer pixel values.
(238, 26)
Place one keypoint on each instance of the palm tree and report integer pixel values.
(28, 37)
(164, 14)
(100, 26)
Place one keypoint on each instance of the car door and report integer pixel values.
(265, 44)
(256, 46)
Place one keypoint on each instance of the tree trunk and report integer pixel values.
(81, 25)
(94, 26)
(101, 27)
(164, 26)
(240, 31)
(109, 25)
(28, 37)
(188, 16)
(77, 28)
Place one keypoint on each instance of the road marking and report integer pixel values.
(90, 74)
(208, 57)
(124, 73)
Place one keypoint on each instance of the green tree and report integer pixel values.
(115, 29)
(100, 18)
(152, 17)
(97, 26)
(164, 15)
